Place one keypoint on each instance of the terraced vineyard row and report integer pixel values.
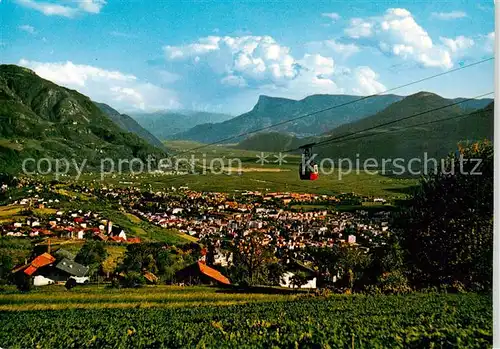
(414, 321)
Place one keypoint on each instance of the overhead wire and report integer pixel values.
(247, 133)
(347, 137)
(389, 122)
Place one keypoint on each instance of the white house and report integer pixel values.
(40, 280)
(122, 235)
(286, 281)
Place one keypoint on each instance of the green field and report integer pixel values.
(283, 181)
(172, 317)
(254, 176)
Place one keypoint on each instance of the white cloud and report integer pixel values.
(236, 81)
(490, 42)
(234, 70)
(168, 77)
(460, 43)
(91, 6)
(62, 8)
(332, 15)
(397, 33)
(254, 58)
(448, 15)
(333, 47)
(27, 28)
(358, 28)
(121, 91)
(367, 83)
(318, 64)
(203, 46)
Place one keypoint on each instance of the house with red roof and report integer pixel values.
(36, 264)
(200, 273)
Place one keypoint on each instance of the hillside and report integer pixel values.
(128, 124)
(400, 139)
(165, 124)
(271, 110)
(42, 119)
(270, 142)
(406, 139)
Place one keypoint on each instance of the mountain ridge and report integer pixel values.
(128, 124)
(41, 119)
(400, 139)
(164, 124)
(275, 110)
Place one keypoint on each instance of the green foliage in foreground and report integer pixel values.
(447, 229)
(414, 321)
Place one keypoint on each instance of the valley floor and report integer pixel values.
(168, 316)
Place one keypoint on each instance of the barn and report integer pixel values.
(200, 273)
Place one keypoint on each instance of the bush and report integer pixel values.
(393, 283)
(71, 283)
(132, 279)
(115, 283)
(23, 282)
(373, 290)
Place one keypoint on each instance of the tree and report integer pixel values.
(6, 265)
(275, 271)
(251, 256)
(163, 261)
(299, 279)
(92, 254)
(140, 257)
(352, 263)
(70, 283)
(23, 282)
(133, 279)
(349, 262)
(447, 228)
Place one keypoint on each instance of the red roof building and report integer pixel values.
(199, 272)
(39, 262)
(117, 239)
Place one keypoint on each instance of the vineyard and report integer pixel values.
(207, 318)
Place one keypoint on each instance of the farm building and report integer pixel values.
(200, 273)
(36, 265)
(45, 270)
(66, 268)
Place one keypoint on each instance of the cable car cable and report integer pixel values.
(403, 128)
(386, 123)
(336, 106)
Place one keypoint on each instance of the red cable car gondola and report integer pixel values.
(308, 170)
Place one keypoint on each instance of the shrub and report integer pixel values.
(23, 282)
(71, 283)
(133, 279)
(393, 283)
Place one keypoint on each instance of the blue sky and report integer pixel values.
(221, 55)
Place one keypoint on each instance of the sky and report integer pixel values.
(145, 56)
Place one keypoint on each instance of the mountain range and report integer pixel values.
(271, 110)
(165, 124)
(406, 139)
(40, 119)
